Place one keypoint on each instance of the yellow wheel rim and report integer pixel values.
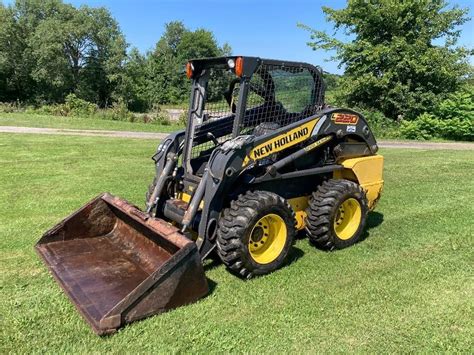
(347, 219)
(267, 238)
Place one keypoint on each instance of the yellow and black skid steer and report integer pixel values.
(262, 158)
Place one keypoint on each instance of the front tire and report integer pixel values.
(336, 215)
(255, 234)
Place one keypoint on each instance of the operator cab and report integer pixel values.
(238, 96)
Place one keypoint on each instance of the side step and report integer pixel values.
(118, 265)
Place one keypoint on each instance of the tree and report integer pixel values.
(403, 56)
(78, 50)
(6, 50)
(50, 49)
(15, 57)
(53, 49)
(133, 84)
(166, 78)
(164, 67)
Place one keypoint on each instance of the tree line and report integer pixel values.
(401, 59)
(403, 66)
(50, 49)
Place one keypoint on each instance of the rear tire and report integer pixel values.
(255, 234)
(336, 215)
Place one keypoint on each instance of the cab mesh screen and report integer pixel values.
(281, 95)
(218, 116)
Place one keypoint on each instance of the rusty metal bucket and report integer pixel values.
(117, 265)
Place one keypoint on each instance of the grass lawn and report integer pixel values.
(407, 287)
(46, 121)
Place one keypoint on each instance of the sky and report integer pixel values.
(263, 28)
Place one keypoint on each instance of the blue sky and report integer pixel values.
(262, 28)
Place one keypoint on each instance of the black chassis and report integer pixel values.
(226, 177)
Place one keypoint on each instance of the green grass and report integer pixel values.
(407, 287)
(47, 121)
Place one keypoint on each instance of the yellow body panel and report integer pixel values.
(318, 143)
(299, 205)
(187, 198)
(184, 197)
(367, 172)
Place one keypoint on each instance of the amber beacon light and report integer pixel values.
(239, 66)
(189, 70)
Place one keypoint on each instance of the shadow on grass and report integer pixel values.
(294, 254)
(374, 219)
(212, 286)
(213, 261)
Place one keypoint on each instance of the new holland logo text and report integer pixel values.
(344, 118)
(281, 142)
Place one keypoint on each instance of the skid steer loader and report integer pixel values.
(262, 157)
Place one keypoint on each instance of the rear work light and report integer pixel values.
(189, 70)
(239, 66)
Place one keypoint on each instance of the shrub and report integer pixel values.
(118, 112)
(75, 106)
(381, 126)
(459, 105)
(183, 118)
(458, 129)
(162, 119)
(424, 127)
(159, 117)
(55, 110)
(9, 107)
(427, 126)
(452, 118)
(147, 118)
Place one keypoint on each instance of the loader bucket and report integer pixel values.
(118, 265)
